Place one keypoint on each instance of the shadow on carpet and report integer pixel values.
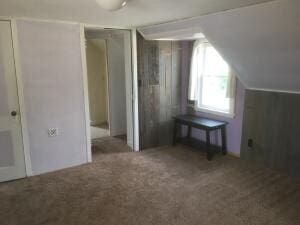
(109, 145)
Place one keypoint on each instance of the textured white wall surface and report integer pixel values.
(52, 76)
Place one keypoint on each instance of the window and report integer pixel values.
(212, 85)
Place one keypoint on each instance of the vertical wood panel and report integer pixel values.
(164, 72)
(176, 78)
(159, 73)
(165, 58)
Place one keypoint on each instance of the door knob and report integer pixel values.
(13, 113)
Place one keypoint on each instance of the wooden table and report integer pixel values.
(207, 125)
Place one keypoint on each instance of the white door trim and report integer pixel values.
(25, 135)
(134, 88)
(86, 95)
(135, 100)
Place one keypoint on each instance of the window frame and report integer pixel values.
(210, 110)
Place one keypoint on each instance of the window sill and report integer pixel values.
(213, 112)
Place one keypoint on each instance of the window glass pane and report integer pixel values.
(214, 93)
(214, 63)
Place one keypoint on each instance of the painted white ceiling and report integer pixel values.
(136, 13)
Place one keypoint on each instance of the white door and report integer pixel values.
(128, 78)
(12, 165)
(120, 84)
(117, 84)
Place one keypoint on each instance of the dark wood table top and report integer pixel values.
(203, 122)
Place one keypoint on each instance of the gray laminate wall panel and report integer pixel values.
(176, 78)
(272, 120)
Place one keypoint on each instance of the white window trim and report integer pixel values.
(218, 112)
(230, 115)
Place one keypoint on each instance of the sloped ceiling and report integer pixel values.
(136, 13)
(261, 42)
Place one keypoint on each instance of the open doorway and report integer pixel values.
(96, 57)
(108, 60)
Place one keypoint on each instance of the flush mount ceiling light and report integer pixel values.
(112, 5)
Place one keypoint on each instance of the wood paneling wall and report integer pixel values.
(159, 75)
(272, 120)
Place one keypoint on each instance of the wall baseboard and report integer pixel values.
(234, 154)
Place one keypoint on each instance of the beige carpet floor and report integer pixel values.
(163, 186)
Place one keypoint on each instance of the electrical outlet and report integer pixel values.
(250, 143)
(52, 132)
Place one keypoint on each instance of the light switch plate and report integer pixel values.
(52, 132)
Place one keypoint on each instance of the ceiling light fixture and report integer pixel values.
(112, 5)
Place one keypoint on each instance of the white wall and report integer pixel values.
(97, 80)
(51, 66)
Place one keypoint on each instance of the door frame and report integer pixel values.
(134, 86)
(107, 96)
(135, 91)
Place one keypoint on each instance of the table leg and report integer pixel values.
(189, 132)
(224, 144)
(209, 154)
(174, 133)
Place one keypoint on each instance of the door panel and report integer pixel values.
(12, 165)
(3, 91)
(128, 79)
(117, 89)
(7, 156)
